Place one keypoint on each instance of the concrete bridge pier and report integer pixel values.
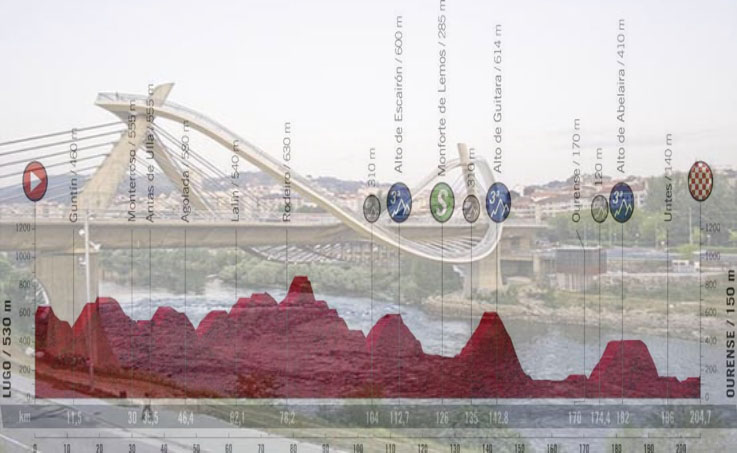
(482, 276)
(63, 277)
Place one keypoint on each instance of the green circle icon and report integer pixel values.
(442, 202)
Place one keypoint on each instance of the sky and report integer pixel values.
(327, 67)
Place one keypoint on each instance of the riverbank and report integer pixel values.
(679, 319)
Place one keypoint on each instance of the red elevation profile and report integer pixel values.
(301, 348)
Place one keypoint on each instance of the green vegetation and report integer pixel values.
(420, 278)
(16, 284)
(166, 267)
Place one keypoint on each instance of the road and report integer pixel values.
(102, 428)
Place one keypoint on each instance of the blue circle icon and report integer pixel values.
(621, 202)
(399, 202)
(498, 202)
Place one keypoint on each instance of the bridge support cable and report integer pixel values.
(58, 143)
(166, 159)
(56, 134)
(55, 154)
(219, 176)
(57, 164)
(173, 164)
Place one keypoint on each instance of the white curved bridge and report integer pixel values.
(384, 231)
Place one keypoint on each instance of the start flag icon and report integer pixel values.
(35, 181)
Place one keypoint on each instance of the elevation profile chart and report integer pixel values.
(301, 348)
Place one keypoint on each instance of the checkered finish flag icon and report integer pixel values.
(700, 181)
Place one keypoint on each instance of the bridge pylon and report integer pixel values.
(99, 191)
(483, 276)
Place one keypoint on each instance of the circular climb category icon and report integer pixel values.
(700, 181)
(498, 202)
(621, 202)
(599, 208)
(471, 208)
(442, 202)
(399, 202)
(371, 208)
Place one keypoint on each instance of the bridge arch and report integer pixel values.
(385, 233)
